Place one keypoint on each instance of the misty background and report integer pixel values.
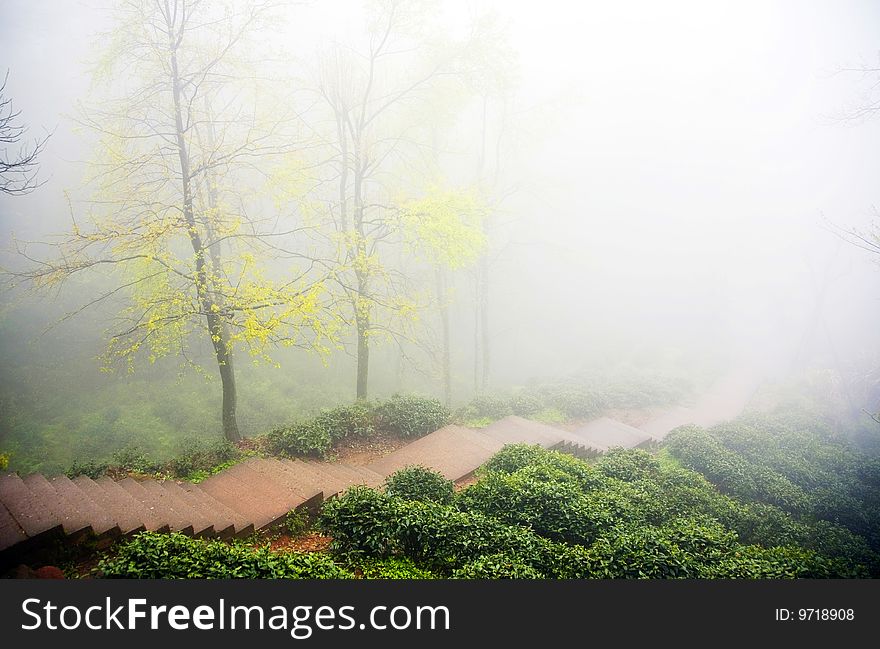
(673, 179)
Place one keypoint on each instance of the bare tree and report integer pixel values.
(18, 161)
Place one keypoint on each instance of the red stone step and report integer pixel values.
(150, 496)
(453, 451)
(276, 472)
(242, 524)
(26, 507)
(207, 508)
(331, 485)
(119, 510)
(348, 475)
(74, 521)
(154, 519)
(151, 519)
(517, 430)
(189, 518)
(75, 499)
(11, 532)
(246, 491)
(367, 476)
(605, 433)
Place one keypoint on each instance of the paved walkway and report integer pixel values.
(260, 492)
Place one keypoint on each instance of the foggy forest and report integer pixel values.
(546, 283)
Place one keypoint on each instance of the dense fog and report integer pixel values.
(665, 186)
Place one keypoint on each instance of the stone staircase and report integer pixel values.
(259, 492)
(255, 494)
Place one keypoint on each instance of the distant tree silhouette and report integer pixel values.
(18, 162)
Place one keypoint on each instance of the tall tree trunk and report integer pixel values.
(477, 356)
(445, 353)
(363, 350)
(484, 318)
(216, 327)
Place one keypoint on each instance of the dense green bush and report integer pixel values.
(411, 416)
(576, 400)
(135, 460)
(355, 420)
(419, 483)
(202, 456)
(487, 406)
(560, 466)
(525, 404)
(530, 497)
(308, 438)
(392, 568)
(732, 473)
(496, 566)
(539, 513)
(796, 464)
(90, 468)
(175, 556)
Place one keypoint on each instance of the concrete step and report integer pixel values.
(170, 520)
(605, 433)
(150, 517)
(150, 493)
(367, 476)
(517, 430)
(208, 510)
(314, 472)
(74, 522)
(119, 510)
(248, 492)
(192, 520)
(242, 526)
(311, 495)
(11, 533)
(27, 508)
(349, 475)
(453, 451)
(73, 498)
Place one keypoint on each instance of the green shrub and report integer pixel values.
(420, 483)
(628, 465)
(496, 566)
(296, 522)
(365, 521)
(485, 405)
(307, 438)
(354, 420)
(90, 468)
(393, 568)
(135, 460)
(361, 520)
(732, 473)
(525, 404)
(549, 416)
(202, 456)
(411, 416)
(175, 556)
(514, 457)
(558, 510)
(575, 400)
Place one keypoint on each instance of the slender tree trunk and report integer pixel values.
(362, 305)
(216, 327)
(477, 357)
(445, 353)
(363, 353)
(484, 317)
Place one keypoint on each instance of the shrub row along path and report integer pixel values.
(260, 492)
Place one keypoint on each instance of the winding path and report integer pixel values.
(260, 492)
